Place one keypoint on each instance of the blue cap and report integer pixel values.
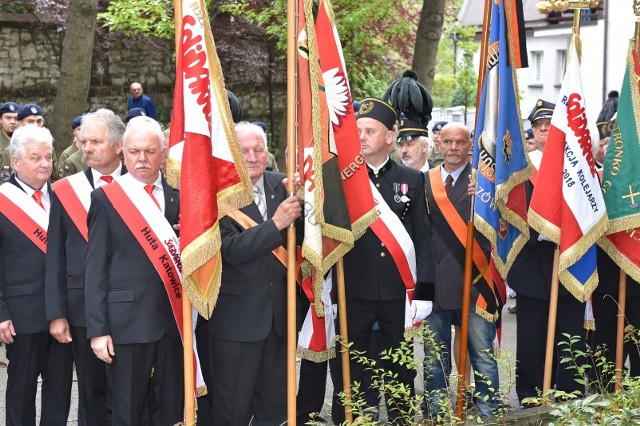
(528, 134)
(356, 106)
(437, 127)
(29, 109)
(77, 121)
(9, 107)
(262, 125)
(134, 112)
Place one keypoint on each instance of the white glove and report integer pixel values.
(420, 309)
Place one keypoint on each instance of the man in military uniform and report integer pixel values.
(380, 279)
(530, 276)
(8, 123)
(413, 144)
(434, 156)
(68, 165)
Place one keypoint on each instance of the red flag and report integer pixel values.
(204, 156)
(339, 205)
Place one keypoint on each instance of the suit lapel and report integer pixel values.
(460, 187)
(271, 192)
(89, 176)
(171, 206)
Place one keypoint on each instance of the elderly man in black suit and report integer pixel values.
(450, 207)
(131, 280)
(247, 331)
(379, 278)
(25, 203)
(101, 146)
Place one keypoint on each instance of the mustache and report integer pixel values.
(142, 166)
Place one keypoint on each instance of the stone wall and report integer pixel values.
(29, 73)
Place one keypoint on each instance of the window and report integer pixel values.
(561, 65)
(536, 67)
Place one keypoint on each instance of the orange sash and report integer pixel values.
(279, 252)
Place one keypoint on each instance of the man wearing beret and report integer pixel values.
(134, 112)
(530, 277)
(8, 123)
(33, 114)
(70, 160)
(413, 144)
(389, 274)
(434, 156)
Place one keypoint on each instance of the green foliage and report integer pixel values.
(400, 397)
(456, 77)
(135, 18)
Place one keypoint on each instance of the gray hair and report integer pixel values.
(115, 125)
(252, 128)
(29, 134)
(149, 123)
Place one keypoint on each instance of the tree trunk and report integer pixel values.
(427, 39)
(75, 70)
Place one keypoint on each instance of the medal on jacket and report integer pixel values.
(400, 188)
(5, 174)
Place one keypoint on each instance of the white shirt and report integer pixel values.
(455, 174)
(377, 169)
(45, 199)
(97, 182)
(158, 192)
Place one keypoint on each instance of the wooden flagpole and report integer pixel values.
(577, 7)
(344, 339)
(551, 326)
(622, 303)
(187, 319)
(468, 258)
(291, 231)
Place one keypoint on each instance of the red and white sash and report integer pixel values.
(316, 341)
(23, 211)
(158, 240)
(74, 193)
(390, 230)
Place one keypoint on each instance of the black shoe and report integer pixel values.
(512, 309)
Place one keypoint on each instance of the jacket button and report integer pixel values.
(381, 244)
(382, 254)
(377, 185)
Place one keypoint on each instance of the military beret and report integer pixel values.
(262, 125)
(134, 112)
(542, 109)
(9, 107)
(378, 110)
(437, 127)
(29, 109)
(77, 121)
(356, 106)
(410, 130)
(528, 134)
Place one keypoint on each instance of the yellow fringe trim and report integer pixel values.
(316, 357)
(486, 315)
(195, 255)
(590, 325)
(621, 260)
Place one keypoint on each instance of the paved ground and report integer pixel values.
(507, 373)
